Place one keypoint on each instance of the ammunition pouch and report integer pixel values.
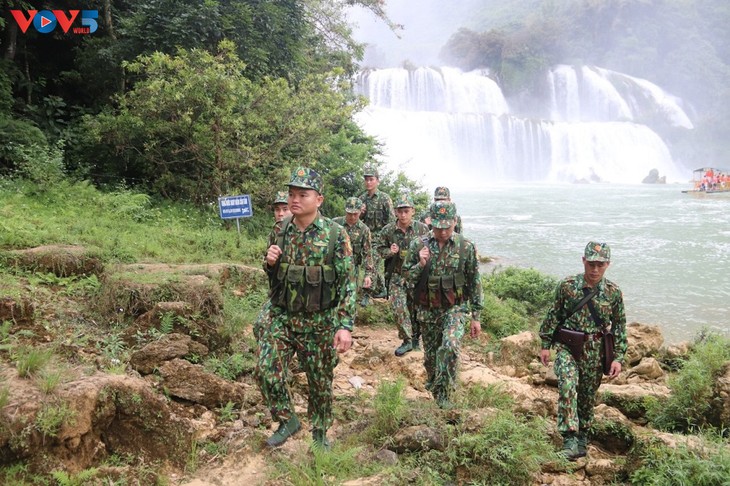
(442, 291)
(305, 288)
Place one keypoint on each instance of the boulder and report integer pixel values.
(631, 399)
(191, 382)
(170, 346)
(654, 178)
(647, 369)
(519, 351)
(643, 340)
(418, 438)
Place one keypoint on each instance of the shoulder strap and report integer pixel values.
(334, 230)
(594, 314)
(587, 296)
(462, 250)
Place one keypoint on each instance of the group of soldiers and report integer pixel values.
(431, 278)
(430, 274)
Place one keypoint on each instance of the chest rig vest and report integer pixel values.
(446, 290)
(307, 288)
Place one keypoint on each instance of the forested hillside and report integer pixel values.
(184, 100)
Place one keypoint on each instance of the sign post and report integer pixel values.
(235, 207)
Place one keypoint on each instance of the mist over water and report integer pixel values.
(670, 251)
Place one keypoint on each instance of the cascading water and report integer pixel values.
(444, 126)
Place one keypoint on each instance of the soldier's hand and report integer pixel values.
(423, 256)
(476, 328)
(272, 254)
(367, 282)
(545, 356)
(394, 249)
(615, 370)
(343, 340)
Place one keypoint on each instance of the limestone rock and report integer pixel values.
(418, 438)
(169, 347)
(191, 382)
(643, 340)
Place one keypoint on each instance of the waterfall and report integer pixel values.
(445, 126)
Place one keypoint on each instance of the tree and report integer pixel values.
(194, 127)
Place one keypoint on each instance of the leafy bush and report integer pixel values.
(529, 286)
(503, 317)
(690, 403)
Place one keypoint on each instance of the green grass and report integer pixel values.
(708, 465)
(690, 405)
(32, 360)
(119, 224)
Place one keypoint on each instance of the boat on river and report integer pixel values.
(710, 180)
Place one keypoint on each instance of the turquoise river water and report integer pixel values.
(670, 251)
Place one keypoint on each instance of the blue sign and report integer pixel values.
(235, 207)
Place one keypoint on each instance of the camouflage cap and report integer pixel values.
(282, 197)
(597, 252)
(443, 214)
(353, 205)
(371, 170)
(441, 193)
(404, 201)
(306, 178)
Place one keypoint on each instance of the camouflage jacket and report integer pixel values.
(378, 210)
(426, 216)
(609, 304)
(390, 234)
(309, 247)
(445, 261)
(361, 242)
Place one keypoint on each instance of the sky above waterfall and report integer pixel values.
(427, 26)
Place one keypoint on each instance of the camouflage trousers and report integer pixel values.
(577, 387)
(378, 285)
(401, 299)
(317, 357)
(263, 320)
(442, 333)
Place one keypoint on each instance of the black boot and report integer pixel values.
(285, 430)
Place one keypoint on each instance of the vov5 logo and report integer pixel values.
(45, 21)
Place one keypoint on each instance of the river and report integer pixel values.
(670, 251)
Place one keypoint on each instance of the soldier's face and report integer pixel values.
(371, 183)
(594, 271)
(443, 235)
(352, 218)
(405, 215)
(304, 202)
(281, 211)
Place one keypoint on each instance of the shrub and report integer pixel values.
(660, 465)
(529, 286)
(503, 318)
(690, 403)
(506, 451)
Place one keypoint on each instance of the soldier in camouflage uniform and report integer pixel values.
(281, 211)
(312, 312)
(377, 213)
(578, 381)
(361, 242)
(392, 244)
(440, 194)
(448, 294)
